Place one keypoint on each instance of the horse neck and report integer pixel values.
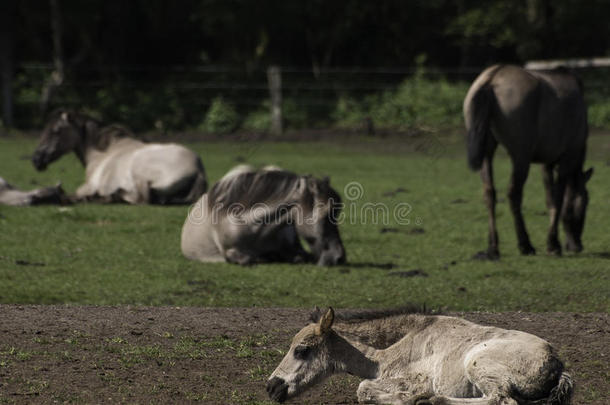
(383, 332)
(353, 357)
(89, 146)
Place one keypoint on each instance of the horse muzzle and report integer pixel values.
(277, 389)
(40, 161)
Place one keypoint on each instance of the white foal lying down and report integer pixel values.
(424, 359)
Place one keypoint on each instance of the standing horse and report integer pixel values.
(416, 359)
(119, 167)
(9, 195)
(539, 117)
(252, 216)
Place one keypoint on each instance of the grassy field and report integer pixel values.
(117, 254)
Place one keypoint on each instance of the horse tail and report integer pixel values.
(561, 394)
(199, 185)
(477, 116)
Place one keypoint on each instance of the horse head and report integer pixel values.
(575, 209)
(319, 225)
(307, 362)
(60, 136)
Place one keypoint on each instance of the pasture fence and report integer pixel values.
(263, 99)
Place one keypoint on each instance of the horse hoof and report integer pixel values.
(527, 250)
(573, 248)
(556, 251)
(487, 255)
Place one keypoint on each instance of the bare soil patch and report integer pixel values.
(58, 354)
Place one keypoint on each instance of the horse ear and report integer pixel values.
(327, 321)
(587, 174)
(312, 184)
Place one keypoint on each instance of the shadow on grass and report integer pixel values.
(364, 265)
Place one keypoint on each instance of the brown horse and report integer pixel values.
(539, 117)
(119, 167)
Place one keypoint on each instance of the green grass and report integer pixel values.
(118, 254)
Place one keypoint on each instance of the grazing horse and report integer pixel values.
(254, 216)
(119, 167)
(417, 359)
(9, 195)
(539, 117)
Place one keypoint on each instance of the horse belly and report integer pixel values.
(107, 176)
(162, 166)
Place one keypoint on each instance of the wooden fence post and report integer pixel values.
(274, 79)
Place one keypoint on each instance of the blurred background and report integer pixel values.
(218, 66)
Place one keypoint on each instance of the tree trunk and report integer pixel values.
(57, 76)
(8, 12)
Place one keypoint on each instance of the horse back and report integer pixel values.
(538, 115)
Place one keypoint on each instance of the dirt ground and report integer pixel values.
(59, 354)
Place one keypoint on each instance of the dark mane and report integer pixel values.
(250, 188)
(92, 130)
(357, 316)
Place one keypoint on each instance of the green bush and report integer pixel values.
(349, 113)
(599, 114)
(417, 102)
(420, 102)
(294, 115)
(221, 118)
(260, 119)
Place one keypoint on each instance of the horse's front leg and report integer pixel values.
(394, 391)
(515, 197)
(552, 243)
(236, 256)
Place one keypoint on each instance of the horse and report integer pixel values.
(10, 195)
(423, 359)
(120, 168)
(539, 117)
(255, 216)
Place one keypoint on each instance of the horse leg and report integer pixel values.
(236, 256)
(515, 197)
(559, 190)
(552, 243)
(489, 192)
(392, 391)
(397, 391)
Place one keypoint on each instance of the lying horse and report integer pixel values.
(119, 167)
(9, 195)
(254, 216)
(424, 359)
(539, 117)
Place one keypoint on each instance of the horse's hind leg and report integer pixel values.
(515, 197)
(552, 242)
(489, 192)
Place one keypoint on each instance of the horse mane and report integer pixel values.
(94, 132)
(380, 328)
(249, 188)
(363, 315)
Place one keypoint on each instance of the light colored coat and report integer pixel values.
(430, 359)
(119, 167)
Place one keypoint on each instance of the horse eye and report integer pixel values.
(301, 352)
